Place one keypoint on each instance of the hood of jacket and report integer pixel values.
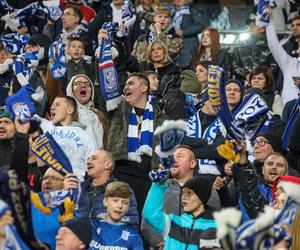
(69, 91)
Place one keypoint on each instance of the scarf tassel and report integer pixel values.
(68, 210)
(229, 152)
(36, 201)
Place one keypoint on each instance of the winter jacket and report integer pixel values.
(96, 126)
(5, 152)
(191, 26)
(246, 57)
(109, 235)
(75, 68)
(118, 130)
(74, 141)
(5, 82)
(180, 232)
(290, 66)
(253, 192)
(172, 205)
(96, 207)
(168, 36)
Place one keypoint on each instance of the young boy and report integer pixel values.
(195, 228)
(111, 231)
(76, 63)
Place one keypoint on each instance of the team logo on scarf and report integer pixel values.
(108, 76)
(21, 105)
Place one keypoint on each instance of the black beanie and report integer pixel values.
(82, 228)
(201, 187)
(274, 139)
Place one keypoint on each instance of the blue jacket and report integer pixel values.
(96, 207)
(45, 226)
(113, 236)
(180, 232)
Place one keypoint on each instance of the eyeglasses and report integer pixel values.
(52, 179)
(80, 83)
(259, 143)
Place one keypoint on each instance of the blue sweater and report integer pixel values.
(115, 236)
(181, 232)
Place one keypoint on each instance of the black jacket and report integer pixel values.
(246, 57)
(5, 152)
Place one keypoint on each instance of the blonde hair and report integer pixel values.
(167, 57)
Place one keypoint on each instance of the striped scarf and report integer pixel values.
(177, 19)
(12, 238)
(139, 143)
(107, 73)
(263, 15)
(57, 58)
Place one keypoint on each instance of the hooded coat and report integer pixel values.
(93, 119)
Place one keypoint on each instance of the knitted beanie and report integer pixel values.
(5, 114)
(274, 139)
(201, 187)
(190, 83)
(81, 227)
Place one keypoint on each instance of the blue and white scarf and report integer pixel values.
(4, 5)
(12, 238)
(24, 66)
(177, 19)
(39, 10)
(140, 143)
(57, 58)
(206, 166)
(15, 42)
(108, 75)
(251, 117)
(263, 15)
(20, 104)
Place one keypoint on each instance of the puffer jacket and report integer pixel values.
(169, 89)
(181, 232)
(253, 192)
(94, 120)
(246, 57)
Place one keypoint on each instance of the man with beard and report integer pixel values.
(7, 131)
(182, 170)
(255, 191)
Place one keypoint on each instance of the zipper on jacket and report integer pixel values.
(167, 85)
(192, 227)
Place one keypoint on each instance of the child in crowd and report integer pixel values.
(76, 62)
(121, 235)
